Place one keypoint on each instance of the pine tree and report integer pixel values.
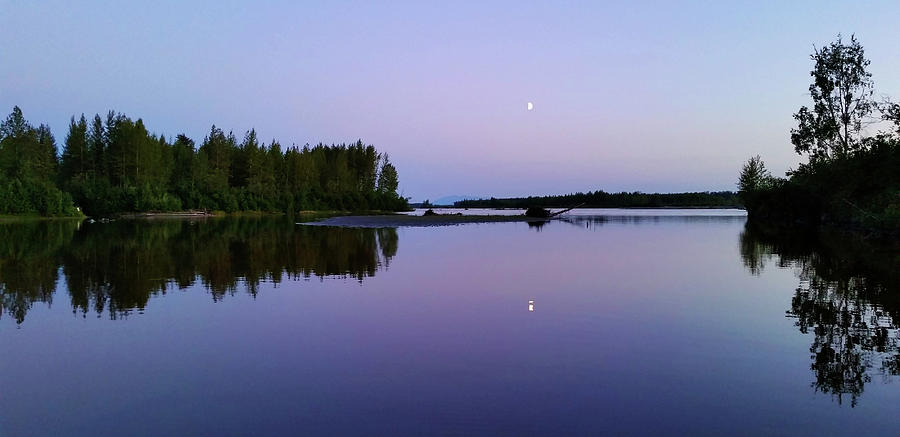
(74, 163)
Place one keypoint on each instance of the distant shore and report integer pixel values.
(396, 220)
(584, 207)
(192, 214)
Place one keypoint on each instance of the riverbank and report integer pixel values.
(197, 214)
(11, 218)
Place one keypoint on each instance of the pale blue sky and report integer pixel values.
(651, 96)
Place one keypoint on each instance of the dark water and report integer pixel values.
(641, 324)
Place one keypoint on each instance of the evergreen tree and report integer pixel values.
(96, 144)
(183, 177)
(16, 138)
(28, 169)
(754, 176)
(44, 162)
(215, 149)
(75, 159)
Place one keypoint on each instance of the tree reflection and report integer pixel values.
(116, 267)
(847, 299)
(29, 254)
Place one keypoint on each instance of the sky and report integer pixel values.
(628, 96)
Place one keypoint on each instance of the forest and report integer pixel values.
(852, 140)
(115, 165)
(602, 199)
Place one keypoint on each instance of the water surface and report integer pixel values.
(678, 322)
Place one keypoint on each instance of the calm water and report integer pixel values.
(682, 323)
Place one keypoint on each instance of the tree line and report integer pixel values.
(602, 199)
(114, 164)
(852, 177)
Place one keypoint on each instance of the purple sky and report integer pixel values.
(650, 96)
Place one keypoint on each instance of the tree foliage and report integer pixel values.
(754, 179)
(28, 169)
(841, 91)
(115, 164)
(387, 178)
(891, 113)
(852, 177)
(754, 175)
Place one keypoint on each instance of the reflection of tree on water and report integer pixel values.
(537, 225)
(116, 267)
(29, 263)
(847, 298)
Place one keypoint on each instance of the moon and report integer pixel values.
(530, 106)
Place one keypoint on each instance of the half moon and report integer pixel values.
(530, 106)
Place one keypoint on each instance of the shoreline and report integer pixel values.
(305, 214)
(398, 220)
(8, 218)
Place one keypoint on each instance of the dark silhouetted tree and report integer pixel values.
(754, 176)
(842, 102)
(387, 177)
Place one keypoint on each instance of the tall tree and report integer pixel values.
(96, 143)
(842, 102)
(16, 138)
(116, 148)
(245, 160)
(387, 177)
(15, 124)
(272, 169)
(74, 163)
(754, 176)
(183, 178)
(216, 151)
(43, 159)
(28, 157)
